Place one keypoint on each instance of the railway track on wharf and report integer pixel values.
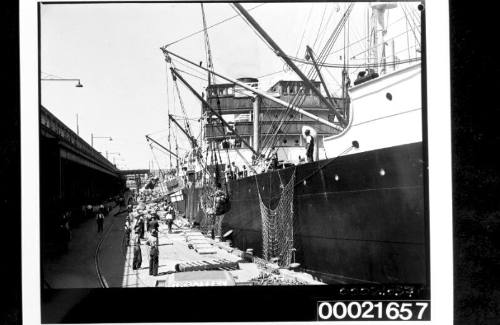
(102, 280)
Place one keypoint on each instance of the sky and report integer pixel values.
(114, 49)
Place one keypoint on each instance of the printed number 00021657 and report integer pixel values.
(373, 310)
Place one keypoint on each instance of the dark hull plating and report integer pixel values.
(357, 218)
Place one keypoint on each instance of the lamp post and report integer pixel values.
(78, 84)
(92, 137)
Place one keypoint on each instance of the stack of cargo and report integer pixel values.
(217, 264)
(200, 243)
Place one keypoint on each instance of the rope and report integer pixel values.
(216, 24)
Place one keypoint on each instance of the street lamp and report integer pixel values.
(78, 84)
(92, 137)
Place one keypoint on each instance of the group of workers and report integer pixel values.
(144, 222)
(234, 172)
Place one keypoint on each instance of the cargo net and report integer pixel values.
(208, 220)
(277, 226)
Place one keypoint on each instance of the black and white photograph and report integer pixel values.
(235, 148)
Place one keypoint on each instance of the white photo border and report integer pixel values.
(439, 159)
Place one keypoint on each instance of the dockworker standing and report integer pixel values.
(100, 220)
(170, 217)
(153, 224)
(235, 170)
(309, 146)
(139, 227)
(128, 231)
(136, 264)
(153, 258)
(274, 158)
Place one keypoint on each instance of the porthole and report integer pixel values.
(388, 96)
(285, 140)
(420, 7)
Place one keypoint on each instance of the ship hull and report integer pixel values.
(357, 218)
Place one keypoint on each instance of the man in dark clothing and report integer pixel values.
(128, 231)
(170, 217)
(139, 228)
(153, 224)
(309, 146)
(153, 259)
(100, 220)
(274, 158)
(136, 264)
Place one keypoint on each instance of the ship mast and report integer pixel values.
(379, 31)
(208, 51)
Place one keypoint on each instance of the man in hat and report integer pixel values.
(309, 146)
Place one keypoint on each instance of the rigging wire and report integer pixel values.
(321, 24)
(192, 75)
(211, 26)
(359, 40)
(252, 28)
(411, 26)
(351, 65)
(304, 31)
(323, 33)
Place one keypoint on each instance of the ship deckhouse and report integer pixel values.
(257, 119)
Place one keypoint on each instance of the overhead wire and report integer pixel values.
(211, 26)
(305, 28)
